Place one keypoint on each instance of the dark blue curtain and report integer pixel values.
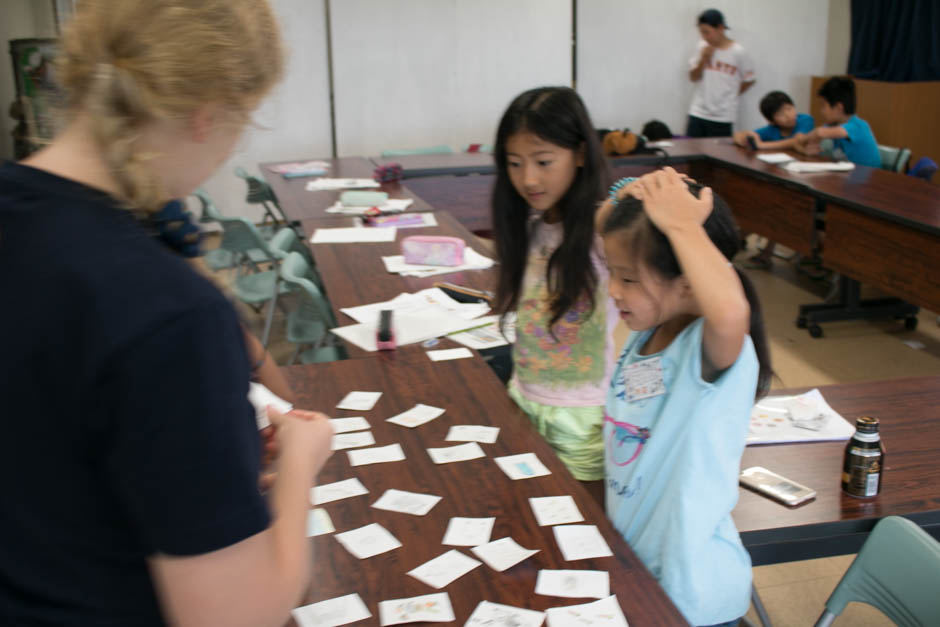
(895, 40)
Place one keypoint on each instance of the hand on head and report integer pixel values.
(669, 203)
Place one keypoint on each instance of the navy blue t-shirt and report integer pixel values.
(126, 429)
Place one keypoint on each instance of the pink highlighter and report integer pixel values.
(385, 335)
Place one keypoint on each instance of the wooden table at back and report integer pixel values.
(834, 523)
(470, 394)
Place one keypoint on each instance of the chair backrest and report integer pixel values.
(260, 193)
(898, 571)
(894, 159)
(285, 241)
(296, 271)
(429, 150)
(209, 212)
(240, 235)
(925, 168)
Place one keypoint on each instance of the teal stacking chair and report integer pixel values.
(285, 241)
(894, 159)
(310, 322)
(235, 250)
(260, 193)
(429, 150)
(897, 571)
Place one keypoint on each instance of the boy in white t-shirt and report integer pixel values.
(723, 71)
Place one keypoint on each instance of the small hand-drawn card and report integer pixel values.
(522, 466)
(336, 491)
(444, 569)
(432, 608)
(260, 397)
(332, 612)
(603, 613)
(406, 502)
(489, 614)
(468, 531)
(352, 440)
(368, 541)
(555, 510)
(502, 554)
(579, 542)
(644, 379)
(459, 453)
(376, 455)
(472, 433)
(359, 401)
(449, 353)
(416, 416)
(319, 523)
(573, 583)
(353, 423)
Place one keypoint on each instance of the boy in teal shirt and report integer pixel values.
(851, 136)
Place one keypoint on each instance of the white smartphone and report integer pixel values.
(775, 486)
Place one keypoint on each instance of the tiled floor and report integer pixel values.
(794, 593)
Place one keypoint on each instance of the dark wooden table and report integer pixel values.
(909, 414)
(471, 394)
(440, 164)
(300, 204)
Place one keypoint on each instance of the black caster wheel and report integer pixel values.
(801, 322)
(910, 323)
(815, 330)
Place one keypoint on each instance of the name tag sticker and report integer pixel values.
(644, 379)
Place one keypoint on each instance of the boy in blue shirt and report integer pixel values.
(785, 124)
(851, 136)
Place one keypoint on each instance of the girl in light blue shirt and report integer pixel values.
(679, 402)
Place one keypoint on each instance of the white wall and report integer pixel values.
(294, 121)
(416, 73)
(633, 56)
(839, 36)
(19, 19)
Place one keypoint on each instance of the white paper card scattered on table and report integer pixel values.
(392, 205)
(459, 453)
(353, 423)
(406, 303)
(368, 541)
(603, 613)
(260, 397)
(579, 542)
(359, 401)
(490, 335)
(502, 554)
(522, 466)
(805, 417)
(319, 523)
(409, 328)
(353, 234)
(444, 569)
(573, 584)
(472, 433)
(449, 353)
(377, 455)
(343, 441)
(431, 608)
(472, 261)
(817, 166)
(468, 531)
(328, 184)
(416, 416)
(555, 510)
(489, 614)
(332, 612)
(330, 492)
(406, 502)
(775, 157)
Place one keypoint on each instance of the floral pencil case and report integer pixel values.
(433, 250)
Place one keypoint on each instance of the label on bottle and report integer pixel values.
(861, 474)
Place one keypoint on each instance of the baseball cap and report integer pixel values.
(713, 18)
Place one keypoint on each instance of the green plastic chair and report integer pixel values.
(234, 251)
(894, 159)
(429, 150)
(260, 193)
(897, 571)
(310, 322)
(285, 242)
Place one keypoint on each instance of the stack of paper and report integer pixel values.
(406, 303)
(296, 170)
(488, 334)
(346, 235)
(325, 184)
(775, 157)
(409, 328)
(392, 205)
(472, 261)
(819, 166)
(803, 418)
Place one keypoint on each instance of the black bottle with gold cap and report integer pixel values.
(863, 467)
